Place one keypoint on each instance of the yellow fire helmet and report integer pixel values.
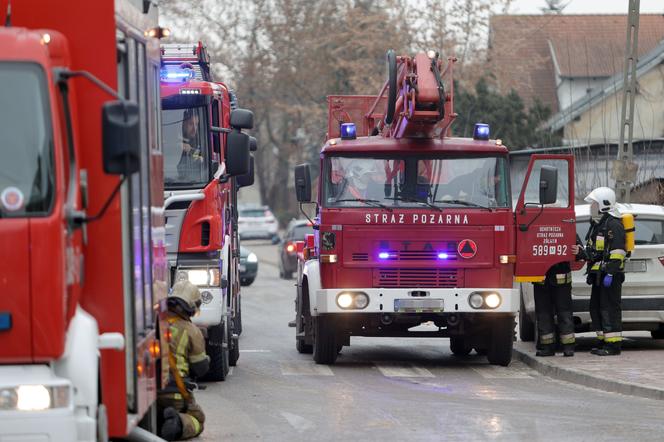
(187, 292)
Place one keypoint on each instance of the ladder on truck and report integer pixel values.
(194, 54)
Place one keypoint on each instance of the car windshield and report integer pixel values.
(298, 232)
(26, 150)
(424, 181)
(185, 141)
(253, 213)
(648, 231)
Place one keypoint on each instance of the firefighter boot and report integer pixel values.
(546, 350)
(172, 426)
(610, 349)
(568, 350)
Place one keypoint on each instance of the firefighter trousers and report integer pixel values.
(554, 301)
(191, 414)
(606, 308)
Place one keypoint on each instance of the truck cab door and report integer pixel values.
(545, 233)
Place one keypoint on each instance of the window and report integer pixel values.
(185, 151)
(26, 151)
(472, 181)
(532, 189)
(298, 232)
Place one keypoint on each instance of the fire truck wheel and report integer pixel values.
(481, 351)
(217, 348)
(302, 327)
(237, 323)
(526, 325)
(502, 342)
(325, 341)
(234, 352)
(459, 346)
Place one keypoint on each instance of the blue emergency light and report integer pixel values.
(5, 321)
(175, 75)
(481, 131)
(384, 255)
(348, 131)
(443, 255)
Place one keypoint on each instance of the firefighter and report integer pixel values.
(553, 297)
(362, 180)
(605, 253)
(182, 416)
(191, 165)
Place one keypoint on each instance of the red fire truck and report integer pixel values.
(415, 231)
(83, 267)
(202, 174)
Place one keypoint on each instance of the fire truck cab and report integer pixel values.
(82, 267)
(206, 161)
(416, 227)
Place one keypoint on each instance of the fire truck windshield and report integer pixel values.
(26, 149)
(416, 181)
(185, 146)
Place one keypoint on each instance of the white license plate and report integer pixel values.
(243, 268)
(418, 305)
(638, 265)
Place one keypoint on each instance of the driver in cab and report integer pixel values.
(362, 181)
(191, 160)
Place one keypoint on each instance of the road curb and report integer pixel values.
(587, 380)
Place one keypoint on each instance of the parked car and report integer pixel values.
(258, 223)
(296, 230)
(248, 266)
(643, 289)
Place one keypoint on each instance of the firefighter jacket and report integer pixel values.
(187, 345)
(605, 246)
(558, 274)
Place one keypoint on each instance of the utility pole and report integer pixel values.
(624, 169)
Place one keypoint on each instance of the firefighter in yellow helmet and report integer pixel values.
(605, 253)
(182, 416)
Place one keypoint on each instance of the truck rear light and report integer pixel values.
(328, 259)
(155, 349)
(290, 248)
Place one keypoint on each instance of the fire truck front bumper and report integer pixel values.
(37, 405)
(415, 300)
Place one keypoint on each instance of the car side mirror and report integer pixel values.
(247, 179)
(242, 119)
(237, 153)
(303, 183)
(121, 140)
(548, 185)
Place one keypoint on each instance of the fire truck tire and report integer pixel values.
(526, 325)
(391, 59)
(459, 346)
(237, 323)
(325, 341)
(234, 352)
(502, 342)
(217, 348)
(302, 325)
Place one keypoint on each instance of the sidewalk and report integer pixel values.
(638, 371)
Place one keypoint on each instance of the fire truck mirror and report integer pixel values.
(303, 183)
(242, 119)
(253, 144)
(121, 137)
(548, 188)
(247, 179)
(237, 155)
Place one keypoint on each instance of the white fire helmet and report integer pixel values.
(361, 170)
(605, 198)
(187, 292)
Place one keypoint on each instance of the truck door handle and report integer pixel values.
(569, 220)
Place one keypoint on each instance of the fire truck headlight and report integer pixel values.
(361, 301)
(476, 300)
(492, 300)
(35, 397)
(198, 277)
(345, 300)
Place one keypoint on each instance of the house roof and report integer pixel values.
(611, 86)
(525, 50)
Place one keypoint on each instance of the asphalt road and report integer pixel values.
(397, 389)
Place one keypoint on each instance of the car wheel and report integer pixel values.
(248, 281)
(502, 342)
(526, 325)
(325, 340)
(217, 348)
(459, 346)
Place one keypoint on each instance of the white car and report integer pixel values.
(643, 289)
(258, 223)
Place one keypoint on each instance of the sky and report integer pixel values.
(588, 6)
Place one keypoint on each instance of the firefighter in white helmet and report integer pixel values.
(183, 418)
(605, 253)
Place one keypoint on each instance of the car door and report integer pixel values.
(545, 234)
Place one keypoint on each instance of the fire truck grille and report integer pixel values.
(405, 278)
(360, 257)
